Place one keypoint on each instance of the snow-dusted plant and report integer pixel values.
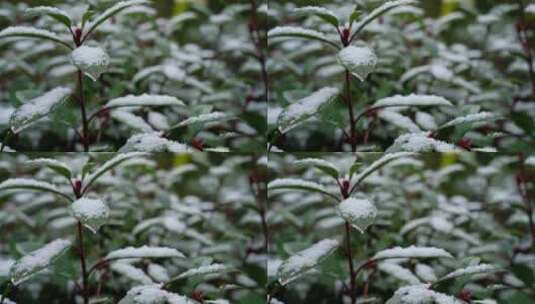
(405, 72)
(421, 231)
(153, 234)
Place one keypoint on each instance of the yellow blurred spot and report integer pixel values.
(181, 159)
(448, 159)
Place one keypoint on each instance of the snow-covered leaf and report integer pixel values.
(131, 272)
(323, 165)
(37, 108)
(204, 118)
(153, 142)
(305, 108)
(93, 61)
(360, 61)
(110, 164)
(144, 100)
(325, 14)
(37, 260)
(92, 213)
(419, 294)
(299, 32)
(144, 252)
(153, 294)
(378, 164)
(412, 100)
(412, 252)
(481, 117)
(133, 121)
(420, 142)
(30, 184)
(399, 272)
(305, 260)
(31, 32)
(110, 12)
(204, 270)
(54, 12)
(381, 10)
(399, 120)
(56, 165)
(470, 270)
(359, 211)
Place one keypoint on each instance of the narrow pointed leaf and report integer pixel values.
(203, 270)
(412, 100)
(204, 118)
(381, 10)
(412, 252)
(323, 13)
(144, 252)
(54, 12)
(57, 166)
(107, 166)
(115, 9)
(378, 164)
(321, 164)
(145, 100)
(299, 32)
(31, 32)
(30, 184)
(297, 184)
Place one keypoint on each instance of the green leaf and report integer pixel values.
(305, 260)
(38, 108)
(57, 166)
(378, 164)
(117, 8)
(383, 9)
(56, 13)
(37, 260)
(355, 15)
(31, 184)
(31, 32)
(305, 108)
(299, 32)
(298, 184)
(325, 14)
(323, 165)
(524, 273)
(524, 121)
(87, 16)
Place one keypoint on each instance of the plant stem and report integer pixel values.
(85, 141)
(4, 141)
(82, 263)
(353, 286)
(352, 122)
(5, 293)
(261, 45)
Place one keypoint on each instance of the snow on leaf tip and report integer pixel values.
(93, 61)
(204, 118)
(305, 260)
(57, 166)
(481, 117)
(204, 270)
(37, 108)
(360, 61)
(360, 212)
(305, 108)
(420, 142)
(37, 260)
(92, 213)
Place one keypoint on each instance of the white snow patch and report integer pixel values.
(412, 252)
(144, 252)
